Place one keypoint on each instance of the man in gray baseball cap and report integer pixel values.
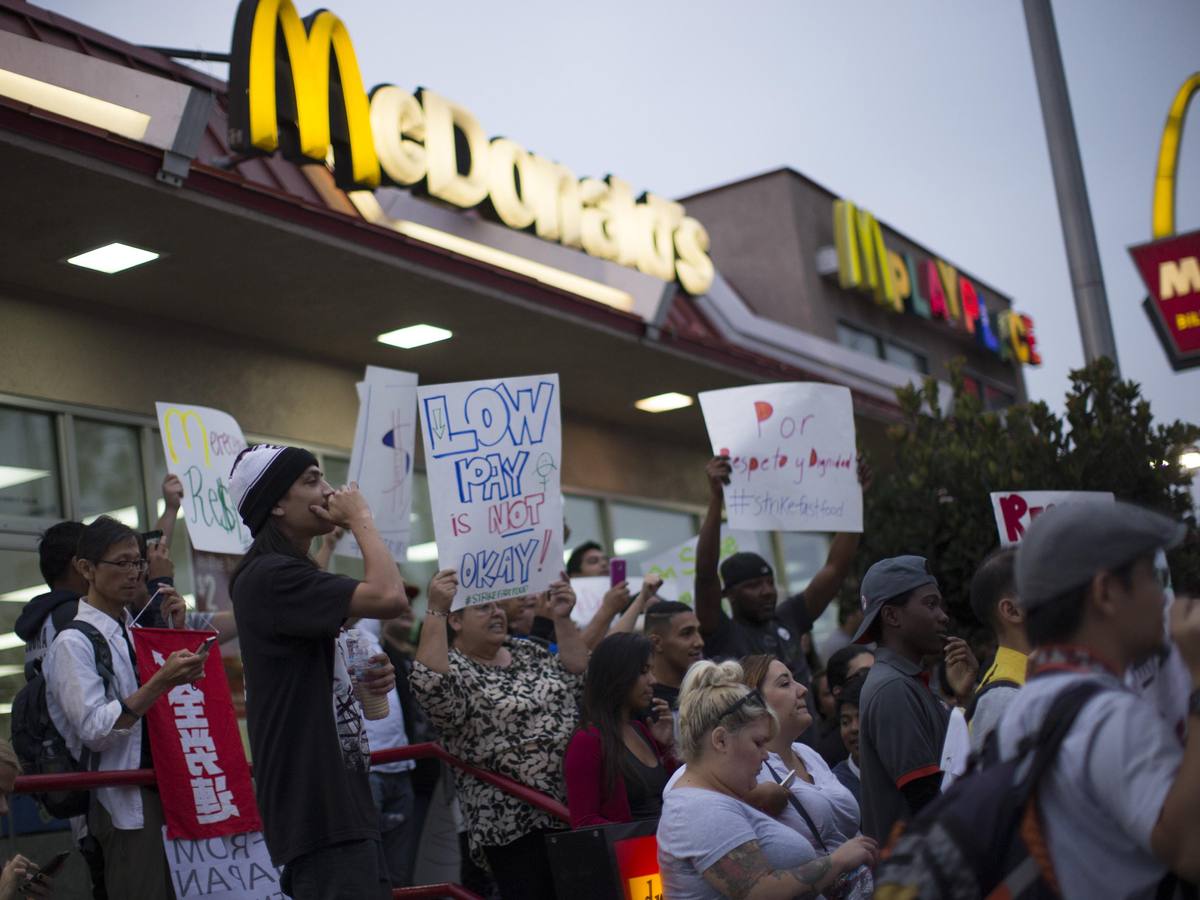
(1124, 788)
(902, 724)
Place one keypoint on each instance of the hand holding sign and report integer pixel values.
(786, 456)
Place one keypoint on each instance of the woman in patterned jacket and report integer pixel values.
(508, 706)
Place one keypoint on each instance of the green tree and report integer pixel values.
(932, 496)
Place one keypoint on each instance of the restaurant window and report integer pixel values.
(905, 358)
(642, 532)
(585, 517)
(996, 399)
(20, 581)
(861, 341)
(108, 465)
(858, 340)
(29, 481)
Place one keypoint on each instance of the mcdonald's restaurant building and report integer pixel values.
(281, 234)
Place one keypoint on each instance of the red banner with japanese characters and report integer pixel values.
(203, 776)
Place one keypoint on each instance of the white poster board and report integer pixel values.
(382, 459)
(677, 566)
(233, 867)
(793, 454)
(200, 445)
(493, 450)
(589, 594)
(1014, 510)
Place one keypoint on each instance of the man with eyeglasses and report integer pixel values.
(103, 721)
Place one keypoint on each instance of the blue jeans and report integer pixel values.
(396, 802)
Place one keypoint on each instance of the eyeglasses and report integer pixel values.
(126, 565)
(752, 697)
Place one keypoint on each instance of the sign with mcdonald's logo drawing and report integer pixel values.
(295, 87)
(1170, 264)
(200, 445)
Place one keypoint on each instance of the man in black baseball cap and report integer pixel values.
(902, 724)
(1119, 803)
(760, 624)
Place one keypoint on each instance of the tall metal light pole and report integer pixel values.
(1083, 258)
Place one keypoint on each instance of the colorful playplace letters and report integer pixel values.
(793, 454)
(492, 452)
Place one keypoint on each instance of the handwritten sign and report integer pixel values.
(677, 566)
(200, 445)
(793, 455)
(382, 459)
(492, 453)
(232, 867)
(1014, 510)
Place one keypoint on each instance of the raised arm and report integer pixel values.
(172, 492)
(615, 601)
(708, 548)
(572, 651)
(434, 649)
(628, 620)
(828, 580)
(1175, 838)
(380, 595)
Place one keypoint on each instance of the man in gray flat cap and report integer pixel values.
(1119, 804)
(902, 724)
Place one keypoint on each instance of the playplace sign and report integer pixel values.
(927, 287)
(295, 87)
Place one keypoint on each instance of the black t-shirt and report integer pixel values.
(310, 764)
(780, 637)
(668, 693)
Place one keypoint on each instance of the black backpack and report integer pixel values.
(40, 747)
(982, 838)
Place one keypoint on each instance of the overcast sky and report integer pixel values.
(925, 113)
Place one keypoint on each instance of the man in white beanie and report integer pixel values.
(1118, 805)
(310, 765)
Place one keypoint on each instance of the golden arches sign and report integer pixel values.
(1163, 213)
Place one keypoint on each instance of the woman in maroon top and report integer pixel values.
(616, 767)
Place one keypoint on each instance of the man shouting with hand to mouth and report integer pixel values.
(310, 765)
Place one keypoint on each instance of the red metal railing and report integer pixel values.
(27, 784)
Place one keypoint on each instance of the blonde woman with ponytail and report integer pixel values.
(711, 842)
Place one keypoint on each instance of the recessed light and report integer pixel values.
(113, 258)
(415, 336)
(664, 402)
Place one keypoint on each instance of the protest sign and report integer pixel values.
(1014, 510)
(382, 459)
(230, 867)
(200, 446)
(203, 777)
(792, 450)
(677, 566)
(492, 456)
(589, 594)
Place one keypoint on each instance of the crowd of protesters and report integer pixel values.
(771, 770)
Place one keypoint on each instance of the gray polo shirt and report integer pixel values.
(903, 727)
(1103, 795)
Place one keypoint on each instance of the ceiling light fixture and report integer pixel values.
(664, 402)
(113, 258)
(415, 336)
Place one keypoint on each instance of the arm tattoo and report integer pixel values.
(736, 873)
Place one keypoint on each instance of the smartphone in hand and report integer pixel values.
(616, 571)
(207, 645)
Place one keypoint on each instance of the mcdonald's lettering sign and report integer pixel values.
(295, 87)
(1170, 264)
(929, 287)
